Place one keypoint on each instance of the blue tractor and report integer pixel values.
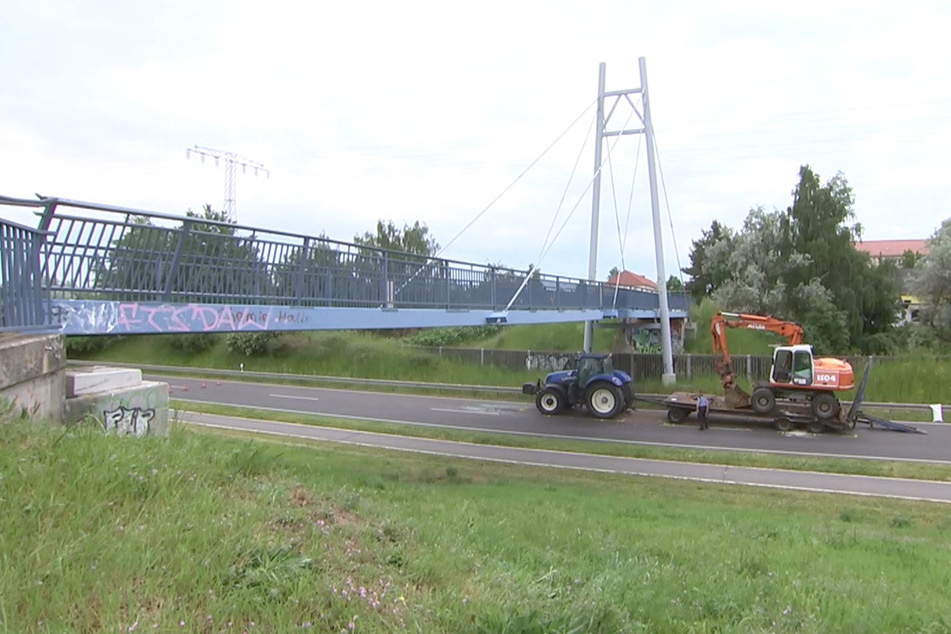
(594, 383)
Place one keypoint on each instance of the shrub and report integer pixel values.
(191, 343)
(251, 343)
(78, 346)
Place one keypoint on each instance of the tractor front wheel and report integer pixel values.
(550, 401)
(605, 400)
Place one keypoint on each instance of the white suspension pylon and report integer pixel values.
(601, 132)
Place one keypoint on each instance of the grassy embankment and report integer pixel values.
(201, 533)
(917, 379)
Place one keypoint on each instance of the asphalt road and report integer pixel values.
(643, 427)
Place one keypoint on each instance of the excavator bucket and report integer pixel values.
(735, 396)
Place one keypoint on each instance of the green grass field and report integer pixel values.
(917, 379)
(204, 533)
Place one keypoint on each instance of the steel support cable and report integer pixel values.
(622, 242)
(564, 194)
(563, 225)
(496, 199)
(670, 218)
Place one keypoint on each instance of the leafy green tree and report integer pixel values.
(674, 283)
(932, 282)
(706, 277)
(309, 272)
(415, 239)
(614, 271)
(202, 260)
(909, 259)
(802, 265)
(821, 223)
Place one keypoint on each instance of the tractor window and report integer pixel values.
(782, 366)
(802, 367)
(589, 367)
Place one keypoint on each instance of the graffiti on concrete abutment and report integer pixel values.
(128, 421)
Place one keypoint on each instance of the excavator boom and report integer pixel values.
(721, 321)
(735, 395)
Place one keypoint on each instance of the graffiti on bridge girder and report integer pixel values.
(80, 317)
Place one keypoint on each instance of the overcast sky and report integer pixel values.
(428, 110)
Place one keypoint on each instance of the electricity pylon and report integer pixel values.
(231, 159)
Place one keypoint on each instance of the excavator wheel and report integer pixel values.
(825, 406)
(815, 427)
(763, 400)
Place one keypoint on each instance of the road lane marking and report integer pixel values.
(464, 411)
(300, 398)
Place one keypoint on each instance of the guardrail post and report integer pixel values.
(749, 365)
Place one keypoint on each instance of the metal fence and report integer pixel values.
(638, 365)
(99, 252)
(24, 301)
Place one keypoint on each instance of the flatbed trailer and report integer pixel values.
(787, 415)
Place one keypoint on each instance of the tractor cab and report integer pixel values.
(591, 365)
(792, 365)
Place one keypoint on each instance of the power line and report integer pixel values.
(231, 160)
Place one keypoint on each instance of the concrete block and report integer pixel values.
(88, 380)
(139, 410)
(32, 371)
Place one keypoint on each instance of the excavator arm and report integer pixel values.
(721, 321)
(792, 331)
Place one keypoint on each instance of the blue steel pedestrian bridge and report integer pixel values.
(91, 269)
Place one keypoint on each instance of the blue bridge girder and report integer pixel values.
(97, 269)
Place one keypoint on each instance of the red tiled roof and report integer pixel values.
(632, 280)
(892, 248)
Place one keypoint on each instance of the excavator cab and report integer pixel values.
(792, 365)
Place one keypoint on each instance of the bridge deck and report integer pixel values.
(97, 269)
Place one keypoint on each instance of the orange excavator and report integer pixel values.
(795, 374)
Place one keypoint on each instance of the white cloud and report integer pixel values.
(428, 110)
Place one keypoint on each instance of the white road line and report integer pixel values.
(299, 398)
(463, 411)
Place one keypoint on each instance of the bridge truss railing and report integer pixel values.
(24, 298)
(98, 252)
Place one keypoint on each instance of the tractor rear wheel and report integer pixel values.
(763, 400)
(825, 405)
(605, 400)
(550, 401)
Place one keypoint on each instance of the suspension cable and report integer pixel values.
(534, 267)
(429, 259)
(670, 218)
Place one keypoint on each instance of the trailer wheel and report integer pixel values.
(783, 424)
(550, 401)
(815, 427)
(605, 400)
(676, 415)
(825, 405)
(763, 400)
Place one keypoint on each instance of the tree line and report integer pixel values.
(801, 264)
